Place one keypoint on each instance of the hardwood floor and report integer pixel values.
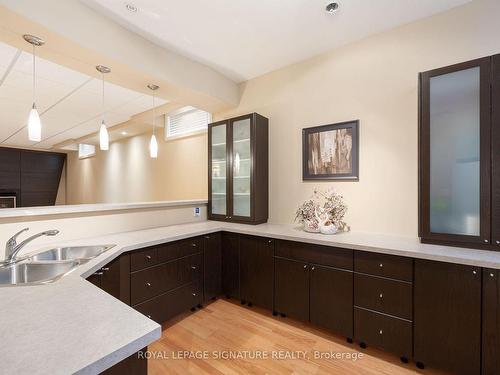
(226, 328)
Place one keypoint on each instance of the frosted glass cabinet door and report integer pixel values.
(218, 162)
(241, 180)
(455, 153)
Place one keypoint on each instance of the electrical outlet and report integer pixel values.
(197, 212)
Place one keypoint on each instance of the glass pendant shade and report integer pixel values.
(34, 125)
(153, 147)
(103, 137)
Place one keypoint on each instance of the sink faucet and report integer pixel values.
(12, 248)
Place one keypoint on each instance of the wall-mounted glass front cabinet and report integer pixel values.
(238, 169)
(459, 161)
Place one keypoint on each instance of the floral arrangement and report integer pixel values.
(323, 212)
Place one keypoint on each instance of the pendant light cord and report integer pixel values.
(154, 115)
(34, 71)
(102, 77)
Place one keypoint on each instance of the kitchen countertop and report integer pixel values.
(71, 326)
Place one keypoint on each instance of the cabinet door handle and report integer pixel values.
(148, 284)
(486, 241)
(474, 272)
(148, 257)
(313, 268)
(270, 241)
(194, 294)
(305, 266)
(193, 267)
(194, 245)
(380, 332)
(230, 217)
(381, 295)
(381, 265)
(491, 274)
(105, 269)
(207, 237)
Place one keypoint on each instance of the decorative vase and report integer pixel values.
(328, 227)
(311, 226)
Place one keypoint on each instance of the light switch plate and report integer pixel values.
(197, 212)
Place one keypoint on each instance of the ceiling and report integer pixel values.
(70, 103)
(243, 39)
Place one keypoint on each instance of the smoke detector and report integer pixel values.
(131, 7)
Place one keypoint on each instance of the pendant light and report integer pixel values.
(153, 144)
(103, 130)
(34, 123)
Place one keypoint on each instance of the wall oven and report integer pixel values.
(7, 200)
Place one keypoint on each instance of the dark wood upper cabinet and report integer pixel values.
(10, 166)
(212, 258)
(459, 182)
(257, 270)
(447, 316)
(238, 169)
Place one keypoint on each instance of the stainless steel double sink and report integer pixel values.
(49, 265)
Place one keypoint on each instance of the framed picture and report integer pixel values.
(331, 152)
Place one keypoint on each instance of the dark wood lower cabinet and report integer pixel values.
(491, 322)
(447, 316)
(257, 271)
(291, 296)
(331, 299)
(136, 364)
(231, 265)
(439, 314)
(383, 331)
(212, 258)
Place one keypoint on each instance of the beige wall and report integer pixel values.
(126, 173)
(375, 81)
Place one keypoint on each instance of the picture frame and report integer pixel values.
(331, 152)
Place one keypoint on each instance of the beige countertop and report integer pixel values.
(71, 326)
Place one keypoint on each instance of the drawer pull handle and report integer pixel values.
(381, 295)
(148, 284)
(193, 244)
(207, 237)
(148, 257)
(486, 241)
(193, 267)
(305, 266)
(491, 274)
(105, 269)
(380, 332)
(474, 272)
(313, 268)
(381, 265)
(194, 294)
(497, 242)
(270, 241)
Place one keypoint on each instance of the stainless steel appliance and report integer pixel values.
(7, 201)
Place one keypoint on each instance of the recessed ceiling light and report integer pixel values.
(332, 7)
(131, 7)
(124, 133)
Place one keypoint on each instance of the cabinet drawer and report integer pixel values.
(179, 249)
(143, 259)
(168, 305)
(155, 280)
(384, 295)
(391, 266)
(382, 331)
(145, 284)
(321, 255)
